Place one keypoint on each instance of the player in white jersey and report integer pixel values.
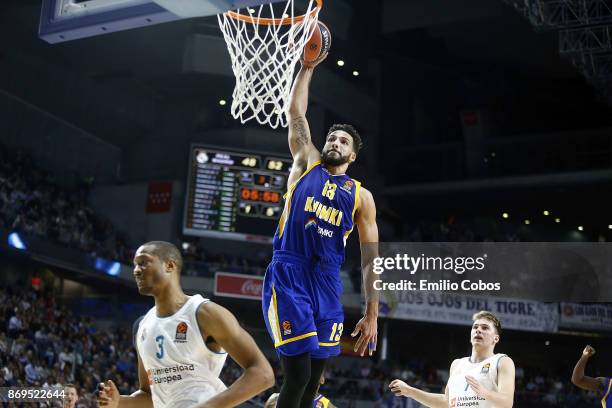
(182, 343)
(482, 380)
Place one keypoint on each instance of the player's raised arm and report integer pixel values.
(257, 377)
(365, 218)
(584, 381)
(302, 149)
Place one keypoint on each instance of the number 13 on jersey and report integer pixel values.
(329, 190)
(336, 332)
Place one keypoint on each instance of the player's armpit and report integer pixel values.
(365, 217)
(450, 373)
(257, 377)
(603, 383)
(298, 168)
(143, 378)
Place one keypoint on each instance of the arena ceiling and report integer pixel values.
(469, 40)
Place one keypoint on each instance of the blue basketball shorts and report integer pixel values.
(302, 306)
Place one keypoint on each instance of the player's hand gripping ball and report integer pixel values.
(317, 48)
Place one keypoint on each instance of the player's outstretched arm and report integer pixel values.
(504, 396)
(584, 381)
(429, 399)
(108, 395)
(302, 149)
(365, 218)
(257, 377)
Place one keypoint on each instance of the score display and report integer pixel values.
(233, 194)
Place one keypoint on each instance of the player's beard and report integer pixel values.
(335, 160)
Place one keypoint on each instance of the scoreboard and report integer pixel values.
(234, 194)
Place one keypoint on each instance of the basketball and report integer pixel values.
(319, 44)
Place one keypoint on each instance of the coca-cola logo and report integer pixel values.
(251, 287)
(237, 285)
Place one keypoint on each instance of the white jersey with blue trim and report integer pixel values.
(460, 394)
(181, 369)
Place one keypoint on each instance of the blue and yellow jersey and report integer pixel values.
(320, 402)
(606, 399)
(319, 215)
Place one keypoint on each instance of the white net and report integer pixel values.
(264, 57)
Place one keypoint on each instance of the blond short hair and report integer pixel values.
(484, 314)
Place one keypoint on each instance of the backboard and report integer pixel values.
(66, 20)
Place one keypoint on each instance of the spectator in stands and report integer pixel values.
(71, 396)
(15, 325)
(33, 203)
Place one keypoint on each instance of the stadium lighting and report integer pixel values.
(222, 102)
(545, 212)
(505, 215)
(610, 226)
(527, 222)
(580, 228)
(112, 268)
(557, 220)
(340, 63)
(355, 73)
(14, 240)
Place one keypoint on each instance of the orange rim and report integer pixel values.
(273, 21)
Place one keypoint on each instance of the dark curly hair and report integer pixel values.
(357, 143)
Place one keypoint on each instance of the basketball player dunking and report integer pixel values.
(302, 288)
(602, 385)
(182, 344)
(483, 380)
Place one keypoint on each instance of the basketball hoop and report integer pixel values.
(264, 46)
